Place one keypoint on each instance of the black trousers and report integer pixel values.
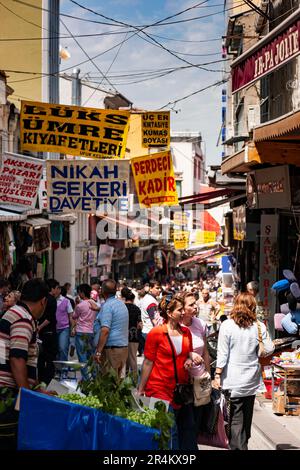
(241, 413)
(187, 427)
(47, 355)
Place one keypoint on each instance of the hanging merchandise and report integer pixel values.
(158, 259)
(41, 239)
(56, 231)
(65, 243)
(55, 246)
(5, 261)
(12, 245)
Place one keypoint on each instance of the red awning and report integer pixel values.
(207, 196)
(210, 224)
(202, 257)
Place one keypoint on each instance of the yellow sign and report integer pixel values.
(154, 180)
(180, 219)
(85, 132)
(181, 239)
(203, 236)
(156, 129)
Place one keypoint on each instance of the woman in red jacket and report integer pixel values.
(158, 375)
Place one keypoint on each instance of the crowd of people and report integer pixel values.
(113, 324)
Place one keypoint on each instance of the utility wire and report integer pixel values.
(88, 56)
(221, 82)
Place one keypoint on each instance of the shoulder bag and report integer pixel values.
(261, 348)
(183, 393)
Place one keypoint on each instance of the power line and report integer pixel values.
(87, 55)
(221, 82)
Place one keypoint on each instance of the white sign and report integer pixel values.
(87, 185)
(20, 177)
(268, 264)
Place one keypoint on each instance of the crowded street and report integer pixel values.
(149, 230)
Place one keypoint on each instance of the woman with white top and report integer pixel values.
(238, 369)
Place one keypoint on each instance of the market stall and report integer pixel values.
(49, 423)
(286, 396)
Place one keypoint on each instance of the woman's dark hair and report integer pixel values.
(169, 303)
(34, 290)
(63, 291)
(244, 310)
(127, 294)
(85, 289)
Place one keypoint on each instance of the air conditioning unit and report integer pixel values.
(253, 116)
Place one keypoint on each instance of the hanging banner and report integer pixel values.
(181, 239)
(85, 132)
(154, 180)
(85, 186)
(156, 129)
(268, 264)
(20, 177)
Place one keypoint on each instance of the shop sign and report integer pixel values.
(87, 186)
(79, 131)
(20, 178)
(181, 219)
(154, 180)
(268, 262)
(181, 239)
(43, 202)
(269, 57)
(269, 188)
(239, 222)
(156, 129)
(201, 237)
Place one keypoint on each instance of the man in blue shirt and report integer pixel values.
(112, 347)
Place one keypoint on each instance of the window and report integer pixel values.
(179, 188)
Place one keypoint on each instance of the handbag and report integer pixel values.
(261, 349)
(183, 393)
(202, 389)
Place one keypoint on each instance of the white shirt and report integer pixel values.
(59, 301)
(145, 302)
(238, 357)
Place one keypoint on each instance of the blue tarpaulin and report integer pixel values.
(48, 423)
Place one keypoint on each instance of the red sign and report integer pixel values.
(284, 47)
(20, 177)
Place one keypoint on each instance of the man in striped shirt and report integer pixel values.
(18, 354)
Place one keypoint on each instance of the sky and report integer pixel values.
(134, 52)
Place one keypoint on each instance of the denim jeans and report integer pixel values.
(187, 428)
(63, 338)
(84, 349)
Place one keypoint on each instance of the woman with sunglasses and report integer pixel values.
(158, 373)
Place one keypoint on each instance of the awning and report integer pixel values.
(286, 127)
(63, 217)
(136, 227)
(37, 222)
(6, 216)
(242, 161)
(203, 256)
(205, 197)
(278, 141)
(20, 209)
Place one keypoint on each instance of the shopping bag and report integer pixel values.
(219, 438)
(210, 413)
